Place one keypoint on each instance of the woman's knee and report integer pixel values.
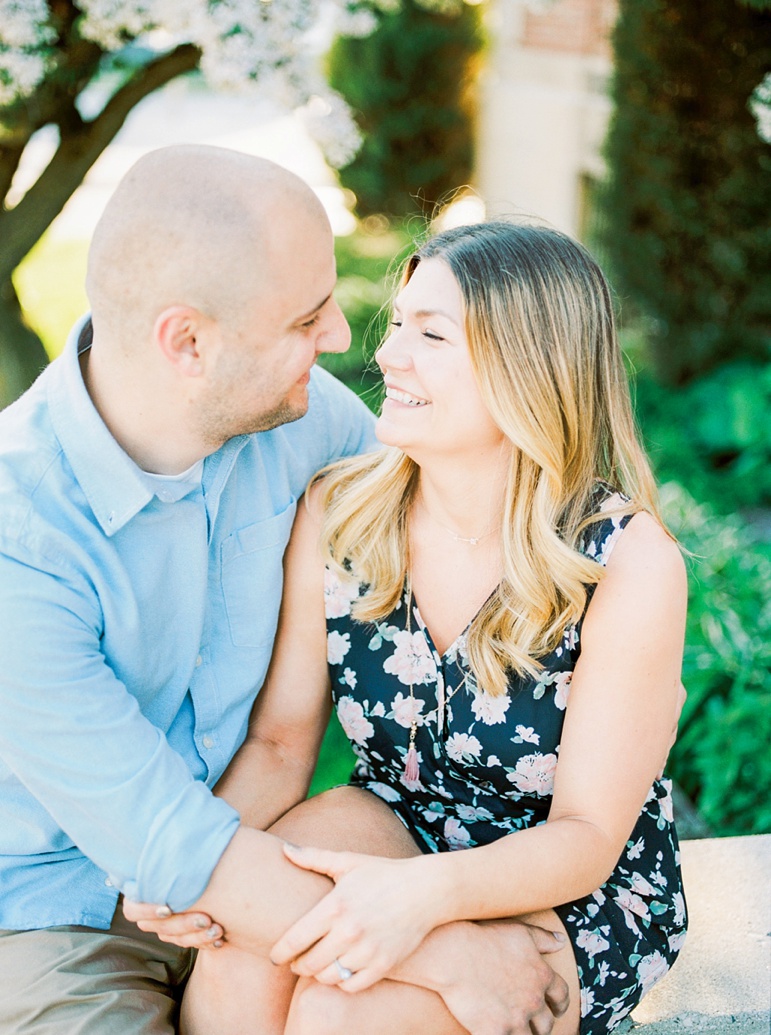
(347, 819)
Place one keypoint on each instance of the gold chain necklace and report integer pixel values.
(411, 765)
(473, 540)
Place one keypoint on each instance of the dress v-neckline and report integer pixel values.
(453, 648)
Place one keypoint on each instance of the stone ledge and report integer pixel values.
(721, 983)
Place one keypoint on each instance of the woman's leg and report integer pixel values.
(391, 1006)
(236, 993)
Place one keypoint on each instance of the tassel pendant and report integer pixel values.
(411, 768)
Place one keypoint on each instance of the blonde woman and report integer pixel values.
(503, 640)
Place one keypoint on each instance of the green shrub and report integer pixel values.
(721, 755)
(686, 211)
(713, 435)
(410, 85)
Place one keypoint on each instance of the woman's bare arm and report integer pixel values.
(273, 768)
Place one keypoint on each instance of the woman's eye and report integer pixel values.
(395, 323)
(310, 323)
(432, 337)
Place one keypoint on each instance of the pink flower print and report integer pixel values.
(384, 791)
(407, 710)
(587, 1001)
(338, 645)
(632, 906)
(665, 803)
(379, 710)
(456, 835)
(488, 709)
(461, 746)
(562, 689)
(636, 850)
(356, 725)
(527, 734)
(472, 813)
(651, 969)
(592, 941)
(411, 662)
(338, 594)
(534, 774)
(571, 637)
(676, 941)
(492, 761)
(679, 903)
(602, 973)
(349, 678)
(641, 885)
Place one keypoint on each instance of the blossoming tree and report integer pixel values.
(51, 52)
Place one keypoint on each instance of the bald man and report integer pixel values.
(148, 483)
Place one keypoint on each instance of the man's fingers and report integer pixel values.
(542, 1023)
(546, 941)
(557, 995)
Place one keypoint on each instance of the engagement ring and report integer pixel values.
(344, 972)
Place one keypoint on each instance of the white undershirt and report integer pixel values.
(170, 488)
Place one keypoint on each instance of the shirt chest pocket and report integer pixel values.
(253, 577)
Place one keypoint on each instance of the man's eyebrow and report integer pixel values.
(312, 312)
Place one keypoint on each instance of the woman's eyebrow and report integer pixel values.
(421, 314)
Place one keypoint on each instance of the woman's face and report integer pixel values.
(432, 403)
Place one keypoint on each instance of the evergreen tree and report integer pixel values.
(688, 205)
(410, 84)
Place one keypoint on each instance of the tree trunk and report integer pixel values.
(22, 355)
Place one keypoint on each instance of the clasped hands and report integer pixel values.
(492, 976)
(376, 915)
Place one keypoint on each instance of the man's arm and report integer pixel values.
(76, 739)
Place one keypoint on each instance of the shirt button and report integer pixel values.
(198, 661)
(208, 742)
(108, 882)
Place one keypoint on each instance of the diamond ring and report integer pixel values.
(344, 972)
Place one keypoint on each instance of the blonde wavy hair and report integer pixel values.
(541, 334)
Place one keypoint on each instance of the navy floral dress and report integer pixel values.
(486, 769)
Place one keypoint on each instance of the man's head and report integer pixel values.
(210, 279)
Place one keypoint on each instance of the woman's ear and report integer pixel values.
(180, 332)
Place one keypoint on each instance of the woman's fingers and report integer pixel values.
(302, 935)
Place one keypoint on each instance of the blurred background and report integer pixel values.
(642, 127)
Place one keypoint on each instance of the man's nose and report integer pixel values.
(335, 335)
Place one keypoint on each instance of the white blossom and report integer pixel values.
(271, 45)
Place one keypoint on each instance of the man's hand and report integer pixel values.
(492, 976)
(188, 930)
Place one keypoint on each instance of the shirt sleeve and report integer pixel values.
(75, 738)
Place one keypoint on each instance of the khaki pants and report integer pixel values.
(80, 981)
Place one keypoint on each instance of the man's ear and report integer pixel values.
(180, 332)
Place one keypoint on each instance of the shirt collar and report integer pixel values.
(113, 484)
(108, 476)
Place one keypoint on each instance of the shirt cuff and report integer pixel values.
(185, 842)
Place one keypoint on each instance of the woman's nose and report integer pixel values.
(392, 352)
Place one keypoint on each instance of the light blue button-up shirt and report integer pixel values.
(134, 635)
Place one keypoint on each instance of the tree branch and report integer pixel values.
(80, 145)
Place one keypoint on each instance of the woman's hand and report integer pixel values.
(188, 930)
(378, 913)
